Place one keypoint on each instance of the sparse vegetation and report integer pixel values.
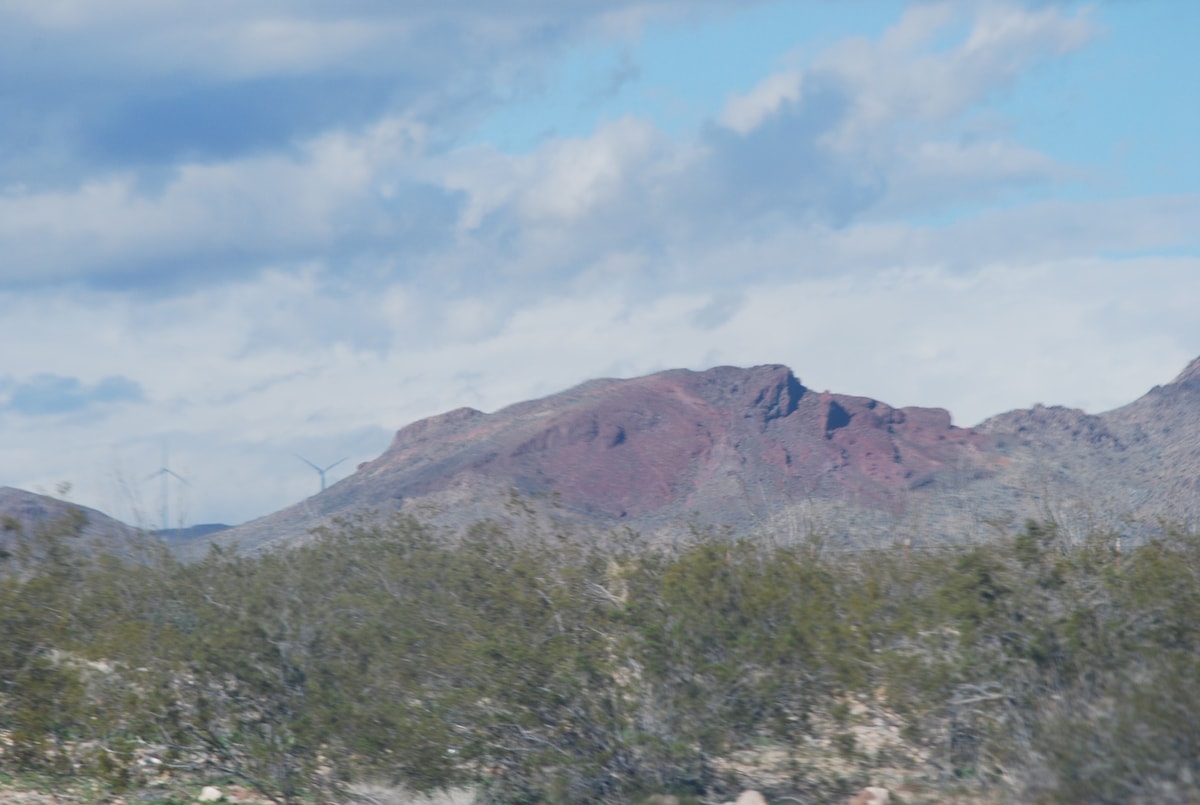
(538, 667)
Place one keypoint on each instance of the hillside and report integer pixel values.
(28, 511)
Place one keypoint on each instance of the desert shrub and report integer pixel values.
(40, 696)
(536, 666)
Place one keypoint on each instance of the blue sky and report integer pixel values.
(249, 230)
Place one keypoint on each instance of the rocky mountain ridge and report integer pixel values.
(756, 448)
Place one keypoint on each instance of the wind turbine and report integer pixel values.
(321, 470)
(166, 473)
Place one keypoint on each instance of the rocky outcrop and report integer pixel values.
(1049, 426)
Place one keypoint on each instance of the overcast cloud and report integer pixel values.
(242, 231)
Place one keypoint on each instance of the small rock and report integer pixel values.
(872, 795)
(751, 798)
(210, 793)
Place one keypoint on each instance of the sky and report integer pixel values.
(241, 233)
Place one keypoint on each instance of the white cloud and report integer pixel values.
(905, 77)
(935, 174)
(77, 13)
(249, 38)
(937, 63)
(271, 205)
(744, 113)
(272, 45)
(624, 188)
(577, 176)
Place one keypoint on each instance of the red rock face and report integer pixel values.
(678, 442)
(629, 454)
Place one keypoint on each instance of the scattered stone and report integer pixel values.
(210, 793)
(751, 798)
(872, 795)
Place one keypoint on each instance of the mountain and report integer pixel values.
(727, 446)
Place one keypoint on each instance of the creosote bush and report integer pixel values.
(542, 667)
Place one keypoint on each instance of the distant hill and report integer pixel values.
(30, 511)
(178, 537)
(755, 447)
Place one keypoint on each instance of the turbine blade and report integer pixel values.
(309, 463)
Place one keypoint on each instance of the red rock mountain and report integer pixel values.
(675, 442)
(723, 446)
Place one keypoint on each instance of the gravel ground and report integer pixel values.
(80, 795)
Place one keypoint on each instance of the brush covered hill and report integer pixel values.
(24, 512)
(27, 512)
